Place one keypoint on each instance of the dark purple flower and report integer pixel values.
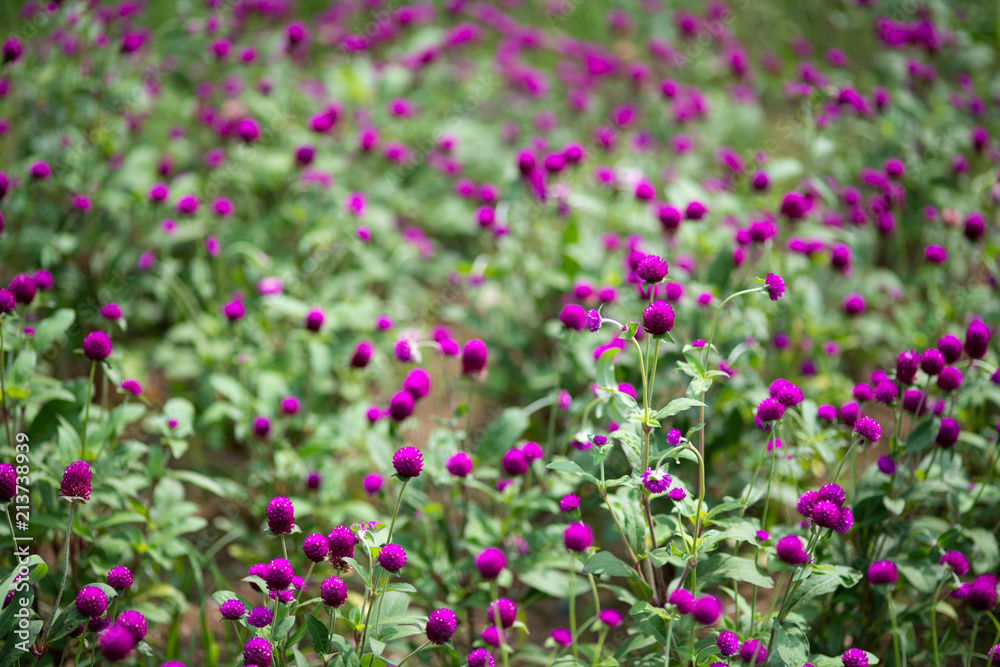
(76, 481)
(490, 562)
(232, 610)
(977, 340)
(392, 557)
(257, 652)
(652, 269)
(315, 547)
(515, 462)
(278, 574)
(707, 610)
(855, 657)
(280, 515)
(882, 572)
(401, 405)
(260, 617)
(886, 465)
(573, 317)
(97, 346)
(441, 625)
(91, 601)
(906, 366)
(408, 462)
(949, 379)
(683, 599)
(333, 592)
(8, 482)
(483, 658)
(869, 429)
(342, 541)
(459, 465)
(578, 537)
(753, 651)
(948, 434)
(728, 643)
(957, 561)
(791, 551)
(775, 286)
(508, 612)
(116, 643)
(120, 577)
(931, 361)
(658, 318)
(474, 357)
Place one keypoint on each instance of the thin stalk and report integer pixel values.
(3, 393)
(416, 651)
(666, 649)
(934, 638)
(756, 472)
(305, 584)
(593, 589)
(972, 644)
(600, 646)
(843, 460)
(895, 630)
(376, 583)
(62, 586)
(554, 408)
(284, 547)
(711, 335)
(86, 412)
(635, 561)
(572, 605)
(501, 637)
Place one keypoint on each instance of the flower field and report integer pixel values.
(353, 333)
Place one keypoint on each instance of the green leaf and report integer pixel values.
(920, 437)
(894, 505)
(722, 567)
(632, 448)
(503, 432)
(790, 644)
(604, 562)
(650, 620)
(23, 368)
(823, 579)
(606, 368)
(283, 627)
(573, 468)
(676, 406)
(52, 327)
(10, 653)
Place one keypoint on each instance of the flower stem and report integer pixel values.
(3, 393)
(895, 629)
(416, 651)
(600, 646)
(756, 472)
(86, 412)
(843, 460)
(62, 586)
(972, 643)
(376, 582)
(498, 623)
(711, 335)
(572, 605)
(934, 638)
(554, 407)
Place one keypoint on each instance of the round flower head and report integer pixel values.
(134, 622)
(515, 462)
(886, 465)
(832, 492)
(578, 537)
(315, 547)
(790, 550)
(826, 413)
(76, 481)
(404, 350)
(120, 578)
(562, 636)
(770, 409)
(774, 285)
(610, 617)
(459, 465)
(401, 405)
(362, 354)
(278, 574)
(949, 379)
(948, 434)
(994, 656)
(257, 652)
(341, 541)
(655, 481)
(868, 429)
(232, 610)
(491, 636)
(132, 387)
(854, 304)
(753, 651)
(652, 269)
(886, 392)
(333, 592)
(906, 366)
(490, 562)
(111, 312)
(677, 494)
(825, 513)
(728, 643)
(314, 320)
(931, 361)
(862, 392)
(882, 572)
(532, 451)
(957, 561)
(280, 515)
(417, 383)
(977, 340)
(261, 426)
(855, 657)
(569, 502)
(91, 601)
(441, 625)
(23, 287)
(983, 593)
(707, 610)
(950, 347)
(683, 600)
(8, 302)
(408, 462)
(116, 643)
(474, 357)
(97, 346)
(8, 482)
(593, 321)
(508, 612)
(658, 318)
(482, 658)
(234, 310)
(845, 520)
(573, 317)
(392, 557)
(98, 624)
(372, 483)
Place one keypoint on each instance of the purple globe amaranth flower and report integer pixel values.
(569, 502)
(578, 537)
(314, 320)
(404, 350)
(459, 465)
(862, 392)
(825, 513)
(401, 405)
(76, 481)
(97, 346)
(280, 515)
(683, 599)
(673, 437)
(507, 609)
(882, 572)
(886, 465)
(362, 354)
(935, 254)
(728, 643)
(408, 462)
(845, 520)
(342, 541)
(610, 617)
(492, 636)
(677, 494)
(854, 657)
(372, 483)
(441, 625)
(951, 347)
(116, 643)
(931, 361)
(232, 610)
(260, 617)
(906, 366)
(278, 574)
(826, 413)
(483, 658)
(753, 651)
(392, 557)
(790, 550)
(869, 429)
(515, 462)
(132, 386)
(774, 285)
(789, 395)
(949, 379)
(854, 304)
(974, 227)
(886, 392)
(695, 211)
(794, 206)
(333, 592)
(770, 409)
(257, 652)
(994, 655)
(832, 492)
(707, 610)
(593, 321)
(98, 624)
(234, 310)
(315, 547)
(8, 482)
(948, 433)
(490, 562)
(532, 451)
(7, 300)
(957, 561)
(658, 318)
(120, 578)
(187, 205)
(474, 357)
(134, 622)
(655, 481)
(91, 601)
(111, 312)
(573, 317)
(652, 269)
(417, 383)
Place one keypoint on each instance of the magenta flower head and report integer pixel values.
(24, 288)
(278, 574)
(507, 609)
(342, 541)
(280, 515)
(111, 312)
(132, 387)
(333, 592)
(825, 513)
(886, 392)
(854, 657)
(593, 321)
(459, 465)
(257, 652)
(882, 572)
(770, 409)
(12, 50)
(655, 481)
(441, 625)
(392, 557)
(683, 599)
(120, 578)
(695, 211)
(483, 658)
(8, 482)
(134, 622)
(158, 193)
(951, 347)
(791, 550)
(404, 350)
(957, 561)
(76, 482)
(906, 366)
(290, 405)
(728, 643)
(983, 593)
(532, 451)
(569, 502)
(362, 354)
(610, 617)
(515, 462)
(260, 617)
(578, 537)
(40, 170)
(949, 379)
(232, 610)
(868, 429)
(261, 426)
(116, 643)
(314, 320)
(474, 357)
(417, 383)
(948, 433)
(774, 286)
(886, 465)
(490, 562)
(794, 206)
(373, 483)
(247, 130)
(652, 269)
(234, 310)
(753, 651)
(187, 205)
(315, 547)
(931, 361)
(91, 601)
(97, 346)
(408, 462)
(854, 304)
(573, 317)
(8, 302)
(658, 318)
(401, 405)
(994, 656)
